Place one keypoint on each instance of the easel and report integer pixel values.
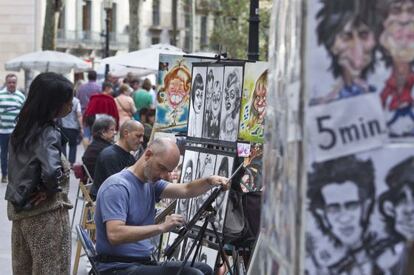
(208, 213)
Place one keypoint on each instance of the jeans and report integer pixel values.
(71, 136)
(168, 268)
(4, 143)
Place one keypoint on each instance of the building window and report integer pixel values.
(156, 12)
(203, 31)
(86, 19)
(155, 40)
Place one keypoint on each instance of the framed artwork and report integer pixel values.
(188, 173)
(205, 168)
(174, 80)
(253, 106)
(212, 102)
(195, 119)
(224, 167)
(231, 101)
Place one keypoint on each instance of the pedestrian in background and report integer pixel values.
(84, 93)
(71, 126)
(125, 104)
(142, 97)
(37, 192)
(11, 101)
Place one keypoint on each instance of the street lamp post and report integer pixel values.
(253, 51)
(107, 5)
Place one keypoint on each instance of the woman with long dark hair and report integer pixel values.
(39, 181)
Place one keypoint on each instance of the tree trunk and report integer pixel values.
(53, 8)
(134, 25)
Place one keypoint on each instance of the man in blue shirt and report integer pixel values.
(125, 212)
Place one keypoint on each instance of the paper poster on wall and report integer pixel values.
(334, 130)
(380, 62)
(253, 106)
(174, 93)
(357, 213)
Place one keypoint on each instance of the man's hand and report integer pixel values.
(172, 221)
(218, 180)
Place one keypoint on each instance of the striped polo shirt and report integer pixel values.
(10, 106)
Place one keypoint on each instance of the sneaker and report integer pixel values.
(4, 179)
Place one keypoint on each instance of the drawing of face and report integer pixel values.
(198, 100)
(188, 173)
(230, 97)
(216, 99)
(353, 48)
(398, 34)
(404, 213)
(176, 93)
(209, 92)
(259, 101)
(343, 212)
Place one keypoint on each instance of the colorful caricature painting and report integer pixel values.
(253, 106)
(361, 213)
(174, 93)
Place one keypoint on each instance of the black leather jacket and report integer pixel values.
(37, 168)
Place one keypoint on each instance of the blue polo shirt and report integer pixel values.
(125, 197)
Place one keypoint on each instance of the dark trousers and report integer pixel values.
(4, 147)
(169, 268)
(71, 137)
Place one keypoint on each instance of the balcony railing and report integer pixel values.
(90, 39)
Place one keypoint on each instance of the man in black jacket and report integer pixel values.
(118, 156)
(103, 132)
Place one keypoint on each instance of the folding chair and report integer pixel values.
(88, 247)
(87, 221)
(81, 173)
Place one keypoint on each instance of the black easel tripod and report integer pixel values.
(207, 212)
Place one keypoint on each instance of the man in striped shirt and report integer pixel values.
(11, 101)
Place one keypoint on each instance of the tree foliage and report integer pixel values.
(134, 25)
(231, 27)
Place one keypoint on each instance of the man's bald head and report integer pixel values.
(164, 146)
(129, 126)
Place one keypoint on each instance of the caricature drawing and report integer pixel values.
(196, 111)
(346, 29)
(341, 196)
(397, 45)
(177, 84)
(212, 109)
(231, 106)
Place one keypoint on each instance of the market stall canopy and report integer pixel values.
(47, 61)
(122, 71)
(143, 59)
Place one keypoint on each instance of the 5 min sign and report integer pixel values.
(345, 127)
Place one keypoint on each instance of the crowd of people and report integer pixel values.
(130, 173)
(123, 100)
